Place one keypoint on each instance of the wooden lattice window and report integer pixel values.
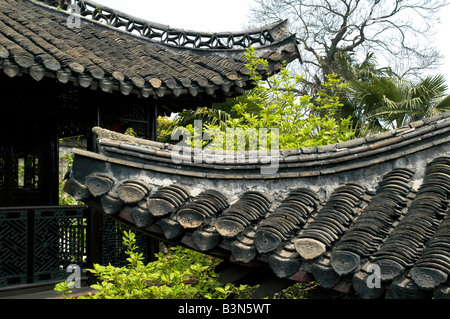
(27, 166)
(27, 171)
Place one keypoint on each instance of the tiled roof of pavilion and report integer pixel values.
(111, 50)
(329, 214)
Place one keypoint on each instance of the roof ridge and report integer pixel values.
(165, 34)
(304, 162)
(407, 131)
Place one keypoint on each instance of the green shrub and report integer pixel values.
(181, 273)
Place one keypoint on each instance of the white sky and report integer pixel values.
(196, 15)
(442, 42)
(229, 15)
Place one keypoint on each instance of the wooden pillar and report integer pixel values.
(153, 121)
(153, 243)
(54, 154)
(94, 222)
(152, 248)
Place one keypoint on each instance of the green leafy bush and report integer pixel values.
(181, 273)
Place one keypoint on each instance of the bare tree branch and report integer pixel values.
(397, 31)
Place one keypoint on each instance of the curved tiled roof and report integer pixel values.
(145, 58)
(368, 215)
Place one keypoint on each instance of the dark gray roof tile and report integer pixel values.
(332, 222)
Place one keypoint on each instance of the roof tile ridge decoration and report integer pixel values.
(323, 160)
(232, 40)
(335, 229)
(108, 135)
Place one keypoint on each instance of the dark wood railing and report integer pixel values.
(37, 244)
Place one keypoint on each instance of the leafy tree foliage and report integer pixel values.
(377, 99)
(275, 103)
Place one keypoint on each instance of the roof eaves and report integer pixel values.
(216, 69)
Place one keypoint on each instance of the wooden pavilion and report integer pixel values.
(66, 71)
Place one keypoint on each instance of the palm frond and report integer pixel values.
(443, 105)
